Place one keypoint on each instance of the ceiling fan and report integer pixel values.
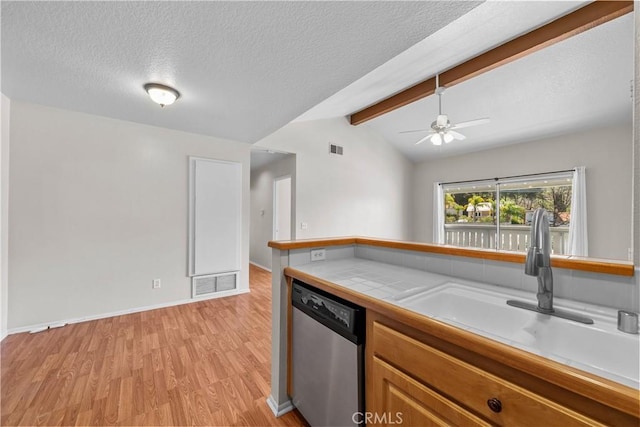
(441, 129)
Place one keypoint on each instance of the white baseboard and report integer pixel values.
(260, 266)
(43, 326)
(3, 335)
(281, 409)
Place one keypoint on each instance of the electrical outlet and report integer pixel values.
(304, 225)
(318, 254)
(156, 284)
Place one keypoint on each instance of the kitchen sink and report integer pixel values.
(480, 310)
(599, 348)
(599, 345)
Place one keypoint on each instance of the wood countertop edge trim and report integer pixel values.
(577, 381)
(558, 261)
(311, 243)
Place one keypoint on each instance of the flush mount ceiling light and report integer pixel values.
(161, 94)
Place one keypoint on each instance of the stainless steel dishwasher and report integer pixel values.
(327, 357)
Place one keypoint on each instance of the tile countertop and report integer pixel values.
(391, 283)
(375, 279)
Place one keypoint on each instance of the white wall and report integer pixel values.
(98, 208)
(606, 153)
(262, 200)
(366, 192)
(5, 112)
(636, 143)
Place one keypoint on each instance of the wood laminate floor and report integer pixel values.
(205, 363)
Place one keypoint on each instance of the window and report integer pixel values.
(496, 213)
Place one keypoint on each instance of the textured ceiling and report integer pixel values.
(486, 26)
(244, 68)
(578, 84)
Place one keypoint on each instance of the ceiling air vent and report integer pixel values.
(202, 286)
(335, 149)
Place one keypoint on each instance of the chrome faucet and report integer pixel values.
(538, 263)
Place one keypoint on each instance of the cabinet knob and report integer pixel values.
(494, 404)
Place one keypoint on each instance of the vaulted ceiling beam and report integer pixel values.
(576, 22)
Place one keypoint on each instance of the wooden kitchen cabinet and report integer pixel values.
(414, 378)
(401, 399)
(432, 373)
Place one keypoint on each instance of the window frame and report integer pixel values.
(495, 185)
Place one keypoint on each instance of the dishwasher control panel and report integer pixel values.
(334, 312)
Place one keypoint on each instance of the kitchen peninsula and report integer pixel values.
(481, 377)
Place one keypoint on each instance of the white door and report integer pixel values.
(282, 208)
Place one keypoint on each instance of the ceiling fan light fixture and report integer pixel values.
(441, 128)
(161, 94)
(447, 138)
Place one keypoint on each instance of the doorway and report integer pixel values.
(282, 208)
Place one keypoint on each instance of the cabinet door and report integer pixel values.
(399, 399)
(470, 386)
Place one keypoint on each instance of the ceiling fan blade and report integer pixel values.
(457, 135)
(426, 138)
(415, 130)
(475, 122)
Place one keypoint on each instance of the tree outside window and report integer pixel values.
(498, 214)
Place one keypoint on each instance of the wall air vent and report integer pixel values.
(335, 149)
(202, 286)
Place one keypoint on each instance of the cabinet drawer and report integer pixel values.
(469, 386)
(402, 400)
